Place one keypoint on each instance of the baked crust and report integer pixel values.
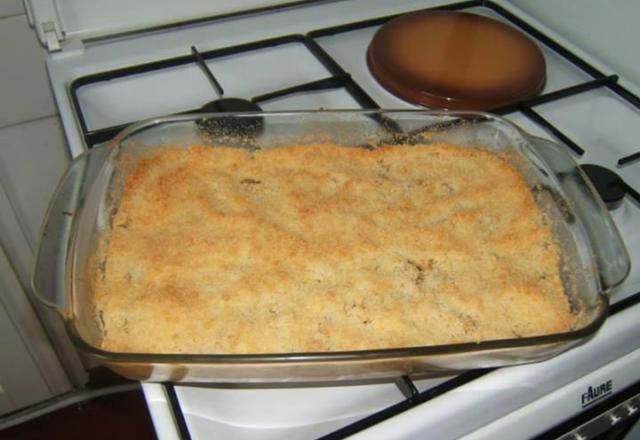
(325, 248)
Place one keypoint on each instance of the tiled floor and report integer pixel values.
(118, 416)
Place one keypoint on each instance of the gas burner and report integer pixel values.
(242, 128)
(230, 105)
(222, 104)
(609, 185)
(456, 60)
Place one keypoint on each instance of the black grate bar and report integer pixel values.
(178, 415)
(559, 94)
(330, 64)
(629, 159)
(407, 387)
(207, 72)
(551, 128)
(626, 94)
(332, 82)
(631, 191)
(404, 405)
(624, 304)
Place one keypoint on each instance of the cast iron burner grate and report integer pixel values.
(609, 184)
(222, 104)
(244, 128)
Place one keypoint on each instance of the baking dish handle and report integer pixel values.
(48, 279)
(610, 253)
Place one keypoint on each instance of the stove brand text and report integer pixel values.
(597, 392)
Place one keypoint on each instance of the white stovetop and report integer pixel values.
(608, 30)
(65, 66)
(78, 61)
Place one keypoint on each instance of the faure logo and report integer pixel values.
(596, 393)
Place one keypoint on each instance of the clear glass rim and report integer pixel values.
(352, 355)
(568, 337)
(186, 117)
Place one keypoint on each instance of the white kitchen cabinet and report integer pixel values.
(29, 368)
(38, 360)
(32, 159)
(25, 93)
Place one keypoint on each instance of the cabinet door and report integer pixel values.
(29, 369)
(33, 157)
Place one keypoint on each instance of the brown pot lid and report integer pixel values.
(455, 60)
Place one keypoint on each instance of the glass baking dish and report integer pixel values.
(594, 257)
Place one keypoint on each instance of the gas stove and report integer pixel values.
(311, 55)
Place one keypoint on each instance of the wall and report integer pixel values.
(596, 26)
(33, 157)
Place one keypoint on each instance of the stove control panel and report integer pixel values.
(619, 418)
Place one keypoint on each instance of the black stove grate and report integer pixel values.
(339, 78)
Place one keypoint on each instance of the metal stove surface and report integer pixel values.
(314, 65)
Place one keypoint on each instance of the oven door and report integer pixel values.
(614, 419)
(604, 404)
